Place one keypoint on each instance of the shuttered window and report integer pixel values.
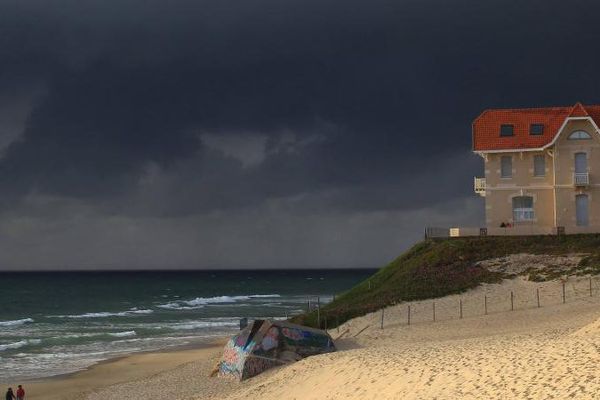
(539, 165)
(506, 167)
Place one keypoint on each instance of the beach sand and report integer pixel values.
(538, 353)
(181, 374)
(530, 353)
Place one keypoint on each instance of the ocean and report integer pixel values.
(54, 323)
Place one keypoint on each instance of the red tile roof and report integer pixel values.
(579, 111)
(486, 127)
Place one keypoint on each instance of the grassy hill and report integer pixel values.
(436, 268)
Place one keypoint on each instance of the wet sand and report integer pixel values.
(103, 379)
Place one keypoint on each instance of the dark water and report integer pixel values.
(54, 323)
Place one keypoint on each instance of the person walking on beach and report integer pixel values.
(20, 393)
(10, 395)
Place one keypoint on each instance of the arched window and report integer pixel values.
(579, 135)
(522, 208)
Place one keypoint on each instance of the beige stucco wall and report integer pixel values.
(565, 150)
(522, 168)
(500, 191)
(498, 206)
(556, 187)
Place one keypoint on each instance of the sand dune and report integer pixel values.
(524, 354)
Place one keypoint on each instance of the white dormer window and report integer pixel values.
(579, 135)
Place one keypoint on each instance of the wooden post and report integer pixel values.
(319, 312)
(512, 301)
(485, 304)
(434, 311)
(408, 315)
(460, 306)
(382, 314)
(537, 293)
(563, 293)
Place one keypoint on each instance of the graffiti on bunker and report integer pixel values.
(264, 344)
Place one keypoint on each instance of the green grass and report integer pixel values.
(436, 268)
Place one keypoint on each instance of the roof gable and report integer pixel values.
(578, 111)
(486, 128)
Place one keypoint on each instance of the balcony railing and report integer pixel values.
(581, 179)
(479, 186)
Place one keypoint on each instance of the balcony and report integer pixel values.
(581, 179)
(479, 186)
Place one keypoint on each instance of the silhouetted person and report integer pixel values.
(20, 393)
(10, 395)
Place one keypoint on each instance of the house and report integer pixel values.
(542, 169)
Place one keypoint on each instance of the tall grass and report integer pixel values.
(436, 268)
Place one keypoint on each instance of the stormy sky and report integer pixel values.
(261, 133)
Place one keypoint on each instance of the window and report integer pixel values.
(522, 208)
(506, 167)
(582, 210)
(579, 135)
(536, 129)
(506, 130)
(539, 165)
(581, 164)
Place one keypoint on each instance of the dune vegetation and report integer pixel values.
(440, 267)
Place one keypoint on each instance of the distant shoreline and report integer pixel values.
(117, 270)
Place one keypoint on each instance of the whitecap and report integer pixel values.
(123, 334)
(105, 314)
(16, 322)
(77, 335)
(198, 302)
(19, 344)
(215, 300)
(201, 324)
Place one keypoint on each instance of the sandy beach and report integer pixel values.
(181, 373)
(535, 353)
(529, 353)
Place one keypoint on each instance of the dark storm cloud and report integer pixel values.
(153, 109)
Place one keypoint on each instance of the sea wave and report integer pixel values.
(16, 322)
(200, 302)
(177, 306)
(74, 355)
(76, 336)
(190, 325)
(123, 334)
(105, 314)
(93, 335)
(19, 344)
